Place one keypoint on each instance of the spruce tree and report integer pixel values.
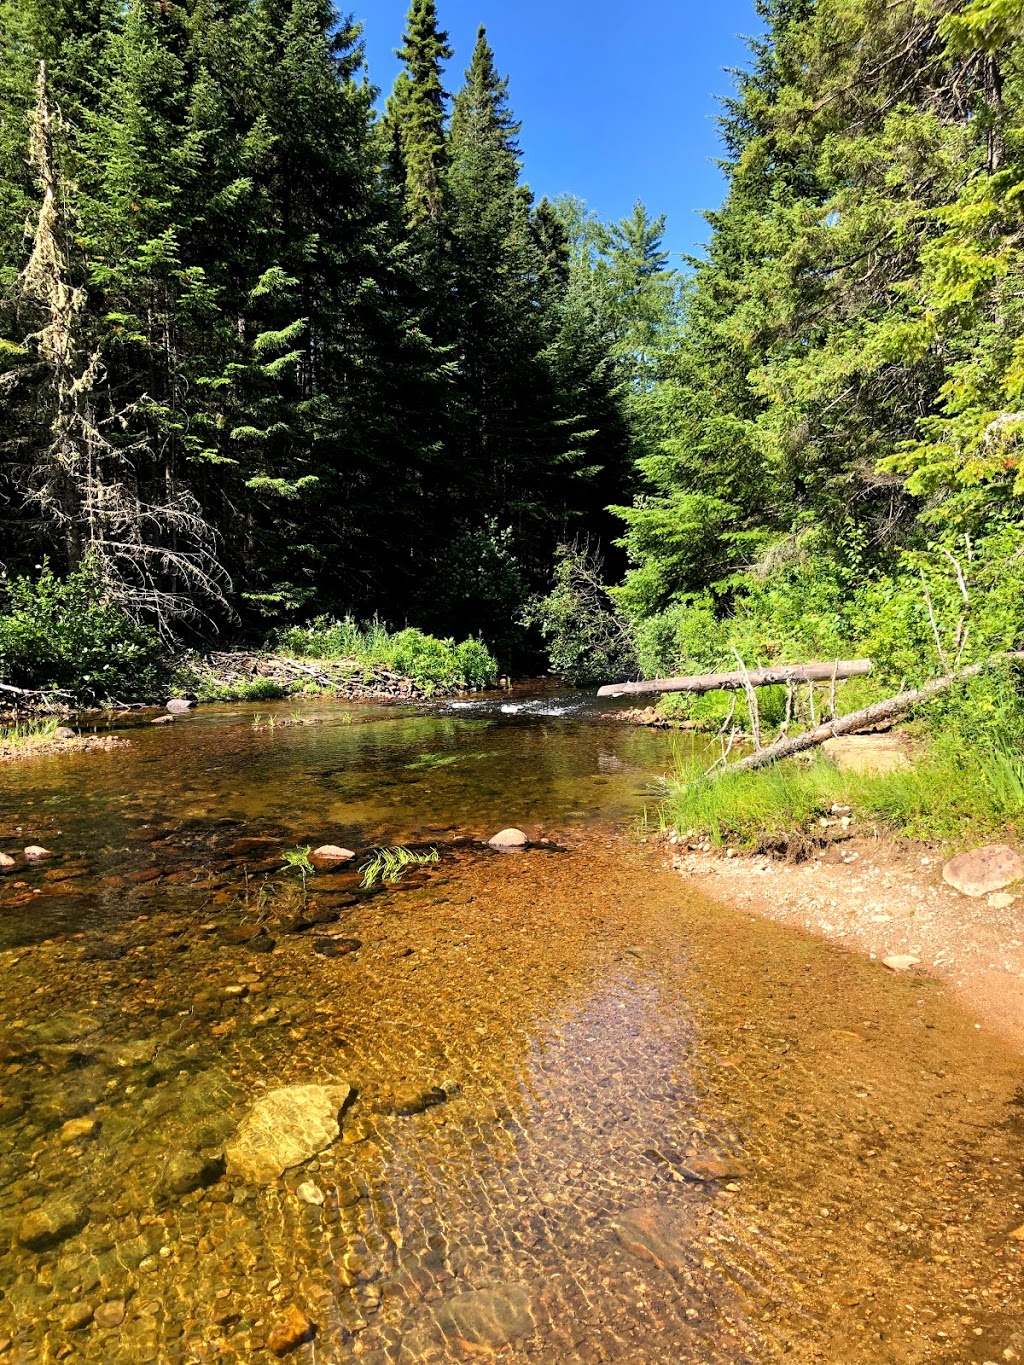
(417, 109)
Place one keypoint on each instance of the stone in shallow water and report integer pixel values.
(330, 855)
(659, 1234)
(984, 870)
(285, 1128)
(51, 1224)
(488, 1317)
(291, 1331)
(900, 962)
(509, 838)
(336, 947)
(188, 1171)
(110, 1314)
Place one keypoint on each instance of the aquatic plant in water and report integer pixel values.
(298, 858)
(389, 864)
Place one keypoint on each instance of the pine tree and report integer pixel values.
(417, 110)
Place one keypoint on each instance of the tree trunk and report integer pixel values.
(734, 682)
(865, 719)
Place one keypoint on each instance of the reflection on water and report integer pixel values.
(594, 1120)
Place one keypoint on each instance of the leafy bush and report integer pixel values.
(64, 635)
(429, 662)
(199, 682)
(586, 640)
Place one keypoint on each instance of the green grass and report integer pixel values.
(947, 794)
(433, 664)
(28, 733)
(390, 864)
(259, 689)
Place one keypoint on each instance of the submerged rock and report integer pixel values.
(35, 853)
(188, 1171)
(509, 838)
(7, 862)
(291, 1331)
(488, 1317)
(336, 947)
(984, 870)
(659, 1234)
(52, 1223)
(285, 1128)
(900, 962)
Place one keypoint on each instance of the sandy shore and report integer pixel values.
(885, 898)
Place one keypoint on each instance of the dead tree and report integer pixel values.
(155, 556)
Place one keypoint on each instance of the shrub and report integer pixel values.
(65, 635)
(587, 641)
(429, 662)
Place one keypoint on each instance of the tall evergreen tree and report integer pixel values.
(417, 109)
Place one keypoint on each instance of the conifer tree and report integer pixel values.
(417, 109)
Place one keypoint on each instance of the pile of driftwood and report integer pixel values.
(344, 677)
(876, 716)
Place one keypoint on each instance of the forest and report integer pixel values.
(277, 350)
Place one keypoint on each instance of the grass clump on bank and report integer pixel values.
(946, 794)
(24, 736)
(429, 662)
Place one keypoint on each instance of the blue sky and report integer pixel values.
(617, 101)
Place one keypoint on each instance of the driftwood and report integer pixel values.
(346, 678)
(737, 682)
(857, 721)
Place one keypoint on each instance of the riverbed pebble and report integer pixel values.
(294, 1329)
(52, 1223)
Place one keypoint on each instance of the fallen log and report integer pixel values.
(864, 719)
(735, 682)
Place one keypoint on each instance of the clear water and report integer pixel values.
(596, 1032)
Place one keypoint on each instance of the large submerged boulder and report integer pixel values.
(285, 1128)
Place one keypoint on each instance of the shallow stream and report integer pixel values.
(596, 1117)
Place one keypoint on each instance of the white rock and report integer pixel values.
(1001, 900)
(36, 851)
(310, 1193)
(509, 838)
(6, 862)
(331, 853)
(900, 962)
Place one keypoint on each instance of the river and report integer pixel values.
(596, 1117)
